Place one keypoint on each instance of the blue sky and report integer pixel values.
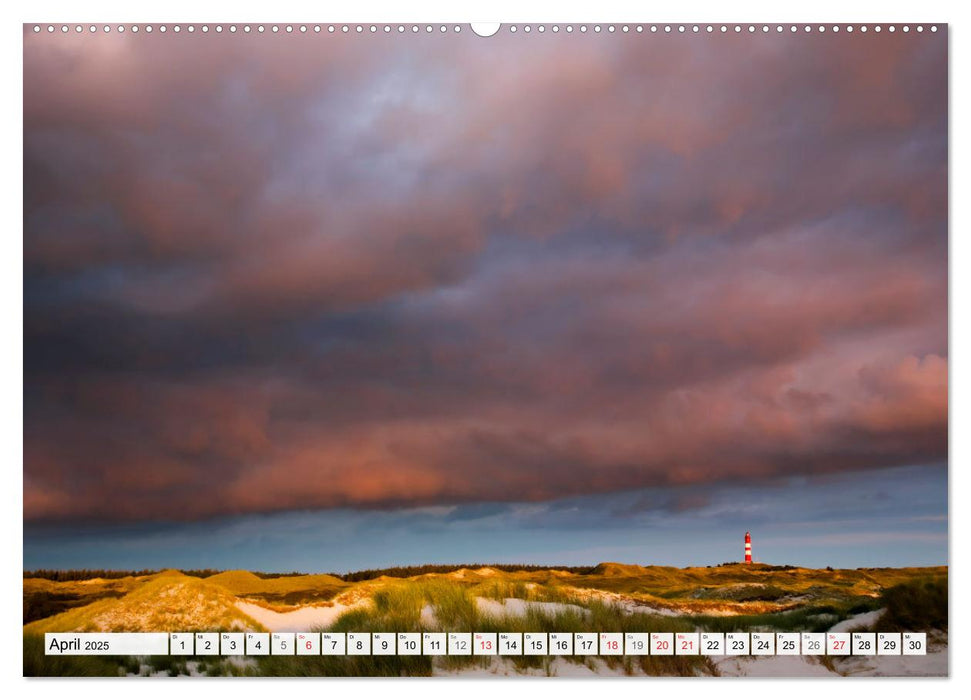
(895, 517)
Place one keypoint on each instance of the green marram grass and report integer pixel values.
(606, 598)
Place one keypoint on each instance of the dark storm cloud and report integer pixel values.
(831, 521)
(278, 272)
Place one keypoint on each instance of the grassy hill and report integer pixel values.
(166, 602)
(609, 597)
(172, 598)
(45, 597)
(304, 588)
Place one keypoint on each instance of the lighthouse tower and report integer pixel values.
(748, 548)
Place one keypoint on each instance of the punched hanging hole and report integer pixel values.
(485, 29)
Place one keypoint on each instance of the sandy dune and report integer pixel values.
(517, 607)
(303, 619)
(770, 666)
(934, 664)
(862, 621)
(558, 667)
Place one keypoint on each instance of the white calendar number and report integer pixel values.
(585, 643)
(511, 643)
(687, 644)
(763, 643)
(358, 643)
(561, 643)
(433, 643)
(611, 643)
(460, 644)
(257, 644)
(383, 644)
(181, 643)
(813, 643)
(914, 644)
(409, 643)
(231, 643)
(712, 643)
(787, 644)
(207, 644)
(333, 643)
(535, 644)
(307, 643)
(737, 643)
(485, 644)
(637, 644)
(662, 644)
(888, 643)
(283, 644)
(838, 643)
(864, 643)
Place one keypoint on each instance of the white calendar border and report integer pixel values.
(11, 297)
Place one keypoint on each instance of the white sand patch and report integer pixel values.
(565, 669)
(934, 664)
(558, 667)
(147, 671)
(517, 607)
(629, 605)
(864, 620)
(770, 666)
(192, 668)
(496, 667)
(303, 619)
(241, 662)
(632, 607)
(428, 618)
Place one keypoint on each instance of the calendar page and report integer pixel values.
(485, 350)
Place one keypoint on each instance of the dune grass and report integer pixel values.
(288, 590)
(727, 598)
(398, 608)
(166, 603)
(915, 606)
(810, 618)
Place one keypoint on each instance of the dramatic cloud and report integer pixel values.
(291, 272)
(834, 520)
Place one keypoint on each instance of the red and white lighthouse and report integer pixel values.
(748, 548)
